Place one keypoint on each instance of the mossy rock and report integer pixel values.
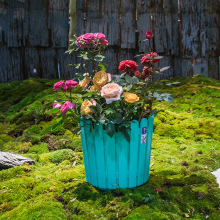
(39, 149)
(61, 155)
(48, 130)
(34, 129)
(32, 138)
(41, 207)
(18, 130)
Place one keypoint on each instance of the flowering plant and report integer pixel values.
(99, 98)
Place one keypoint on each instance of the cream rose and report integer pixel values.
(130, 97)
(101, 78)
(85, 110)
(111, 92)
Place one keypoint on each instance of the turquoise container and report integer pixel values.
(112, 163)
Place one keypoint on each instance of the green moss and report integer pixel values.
(39, 149)
(41, 207)
(61, 155)
(185, 149)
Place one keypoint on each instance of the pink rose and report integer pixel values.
(99, 36)
(66, 106)
(111, 92)
(85, 39)
(73, 105)
(65, 87)
(88, 36)
(58, 85)
(103, 41)
(149, 34)
(56, 105)
(71, 83)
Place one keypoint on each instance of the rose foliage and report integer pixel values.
(94, 95)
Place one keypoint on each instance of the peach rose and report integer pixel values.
(101, 78)
(130, 97)
(111, 92)
(84, 84)
(96, 87)
(85, 110)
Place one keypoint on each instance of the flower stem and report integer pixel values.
(145, 93)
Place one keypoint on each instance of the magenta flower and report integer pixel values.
(73, 105)
(56, 105)
(88, 36)
(66, 106)
(149, 34)
(65, 87)
(71, 83)
(103, 41)
(99, 36)
(58, 85)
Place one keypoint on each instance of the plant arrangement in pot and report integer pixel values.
(115, 117)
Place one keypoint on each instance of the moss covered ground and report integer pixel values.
(185, 150)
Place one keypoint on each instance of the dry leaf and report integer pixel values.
(72, 200)
(212, 124)
(186, 215)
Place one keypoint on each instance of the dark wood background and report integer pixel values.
(34, 35)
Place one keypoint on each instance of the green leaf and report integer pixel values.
(77, 66)
(109, 111)
(90, 55)
(61, 100)
(127, 136)
(168, 98)
(54, 110)
(156, 72)
(135, 80)
(58, 125)
(156, 94)
(79, 95)
(165, 94)
(94, 109)
(88, 94)
(91, 128)
(103, 120)
(116, 118)
(99, 108)
(102, 66)
(110, 129)
(99, 57)
(128, 79)
(164, 68)
(121, 82)
(122, 75)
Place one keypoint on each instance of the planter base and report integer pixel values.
(112, 163)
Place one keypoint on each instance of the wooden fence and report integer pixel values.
(34, 35)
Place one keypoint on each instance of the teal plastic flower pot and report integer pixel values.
(112, 163)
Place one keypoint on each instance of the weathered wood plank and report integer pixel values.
(128, 24)
(62, 5)
(110, 21)
(38, 32)
(213, 67)
(34, 35)
(143, 24)
(10, 64)
(58, 29)
(17, 27)
(172, 26)
(80, 14)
